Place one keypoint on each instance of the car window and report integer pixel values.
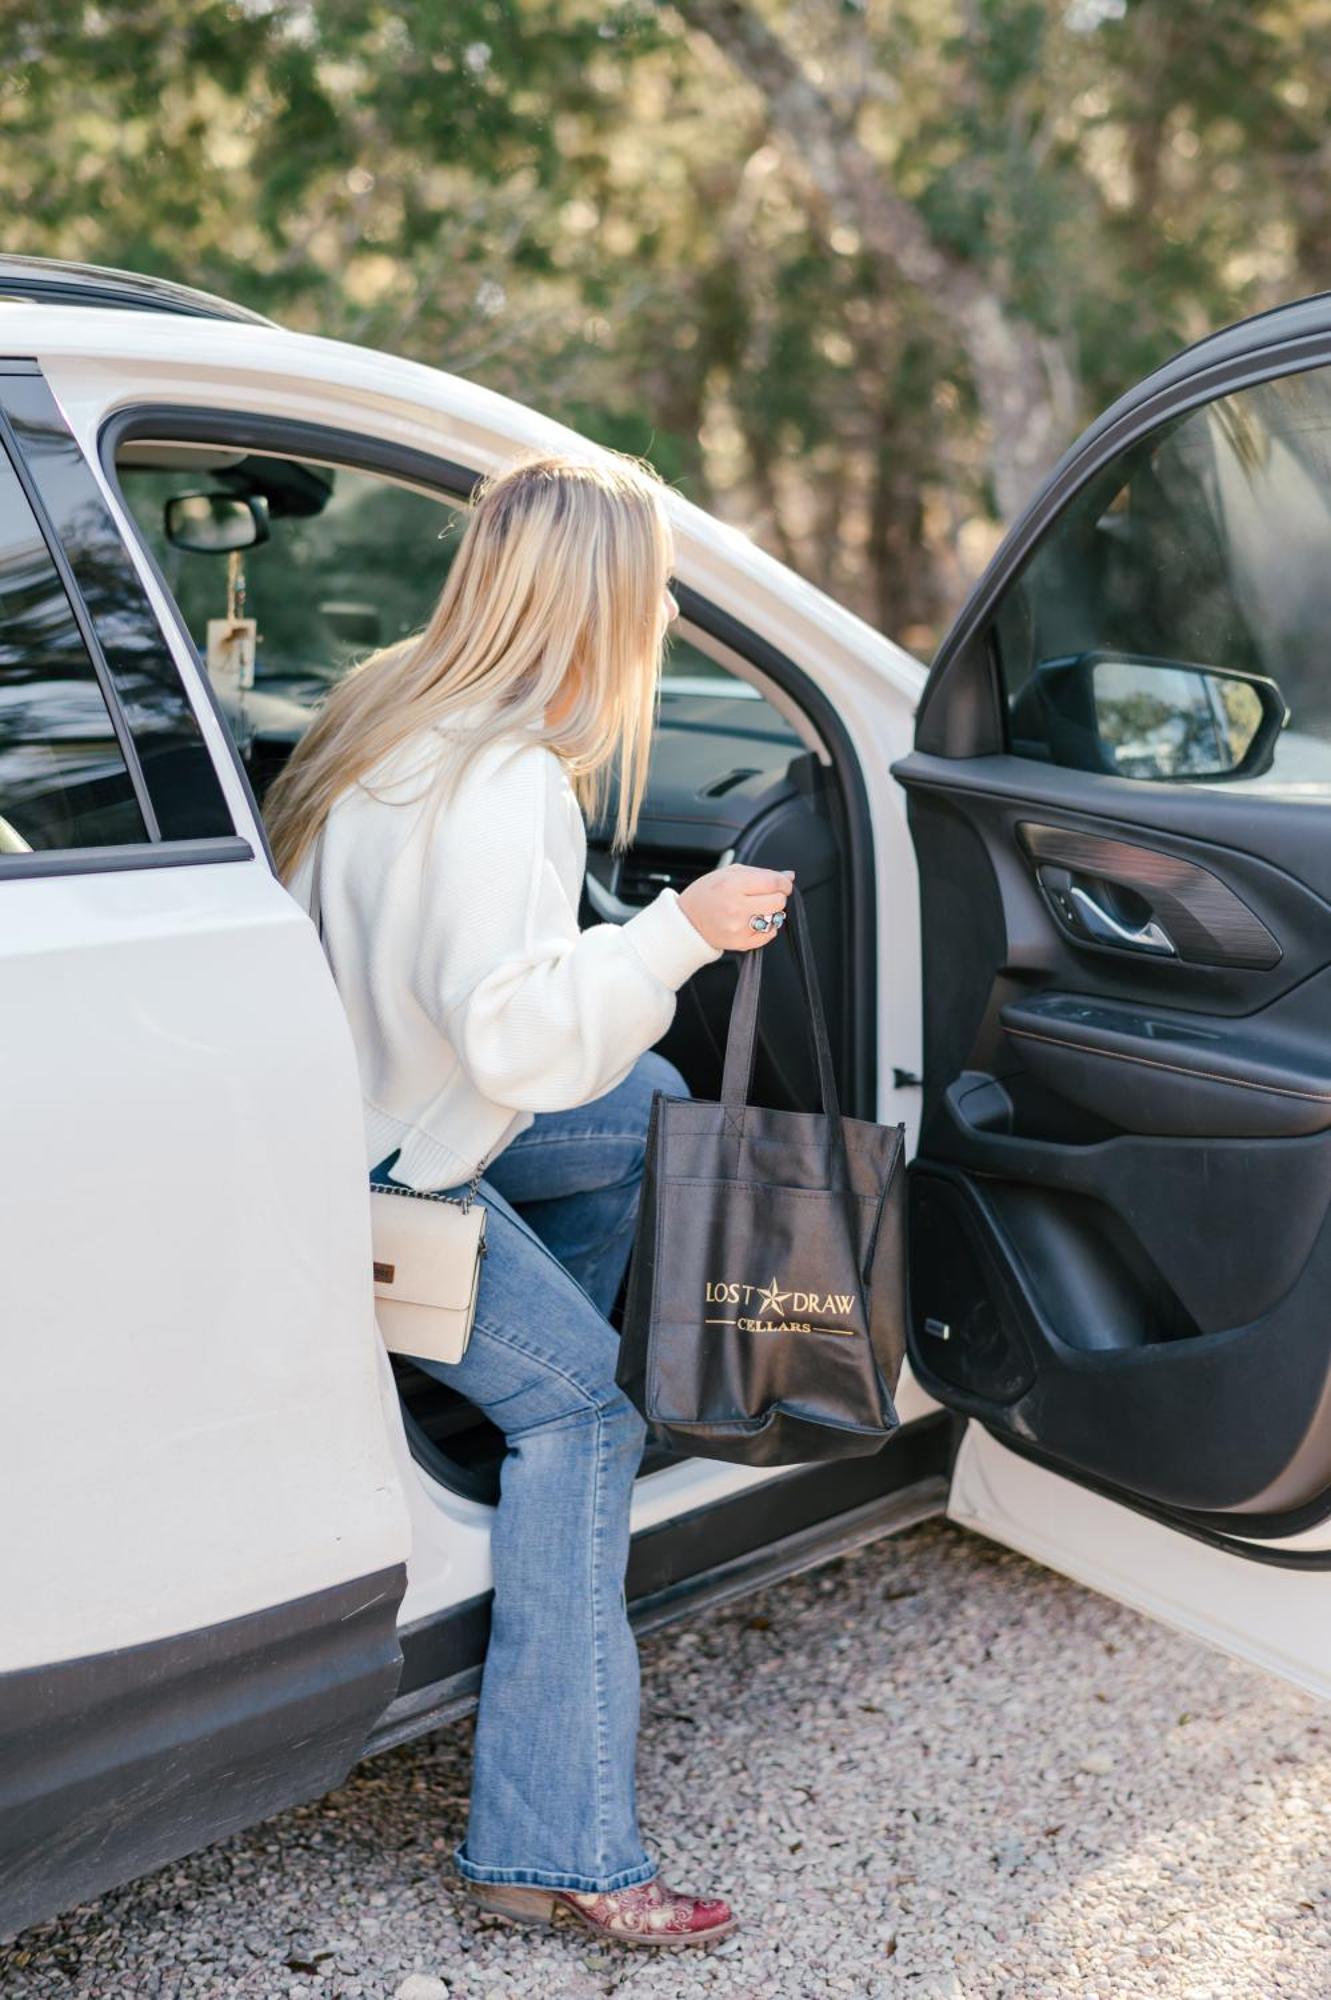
(1171, 625)
(64, 782)
(338, 562)
(180, 783)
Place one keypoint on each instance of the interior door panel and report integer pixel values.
(1176, 1075)
(1121, 1200)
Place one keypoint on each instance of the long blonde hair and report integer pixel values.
(561, 569)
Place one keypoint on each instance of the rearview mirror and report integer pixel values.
(213, 524)
(1137, 716)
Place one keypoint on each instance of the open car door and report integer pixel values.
(1120, 798)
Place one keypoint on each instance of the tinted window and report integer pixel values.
(177, 766)
(63, 779)
(1145, 634)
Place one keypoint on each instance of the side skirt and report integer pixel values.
(114, 1764)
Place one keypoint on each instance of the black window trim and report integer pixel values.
(127, 854)
(87, 631)
(156, 851)
(435, 473)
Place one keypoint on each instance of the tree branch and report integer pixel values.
(847, 184)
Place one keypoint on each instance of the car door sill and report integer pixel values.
(446, 1699)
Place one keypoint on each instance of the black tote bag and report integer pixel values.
(764, 1319)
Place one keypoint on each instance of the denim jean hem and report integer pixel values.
(548, 1878)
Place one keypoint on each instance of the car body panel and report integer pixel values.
(166, 1116)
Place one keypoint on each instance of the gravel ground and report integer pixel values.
(929, 1770)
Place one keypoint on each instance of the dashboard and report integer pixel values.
(721, 758)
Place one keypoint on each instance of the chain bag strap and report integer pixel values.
(427, 1248)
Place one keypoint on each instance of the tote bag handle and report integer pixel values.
(737, 1077)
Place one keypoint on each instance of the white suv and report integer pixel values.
(240, 1548)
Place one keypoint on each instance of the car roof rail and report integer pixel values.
(57, 281)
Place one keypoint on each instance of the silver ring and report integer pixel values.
(760, 923)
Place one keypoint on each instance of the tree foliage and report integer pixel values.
(851, 271)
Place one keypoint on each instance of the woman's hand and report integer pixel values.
(721, 904)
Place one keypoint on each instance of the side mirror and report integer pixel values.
(212, 524)
(1137, 716)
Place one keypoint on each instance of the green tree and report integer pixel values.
(851, 271)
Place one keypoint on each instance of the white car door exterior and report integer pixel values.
(205, 1537)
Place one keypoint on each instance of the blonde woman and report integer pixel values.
(494, 1038)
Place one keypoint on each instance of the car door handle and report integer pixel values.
(1204, 920)
(1106, 928)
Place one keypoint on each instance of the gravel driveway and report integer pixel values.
(929, 1770)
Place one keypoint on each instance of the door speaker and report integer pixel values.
(965, 1321)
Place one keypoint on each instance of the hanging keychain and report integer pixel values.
(232, 644)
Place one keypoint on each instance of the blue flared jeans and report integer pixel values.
(553, 1799)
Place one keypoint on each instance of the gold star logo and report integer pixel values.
(770, 1299)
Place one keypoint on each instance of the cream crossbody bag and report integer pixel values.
(427, 1250)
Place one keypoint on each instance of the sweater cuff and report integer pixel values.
(668, 942)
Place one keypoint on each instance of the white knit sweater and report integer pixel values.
(474, 999)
